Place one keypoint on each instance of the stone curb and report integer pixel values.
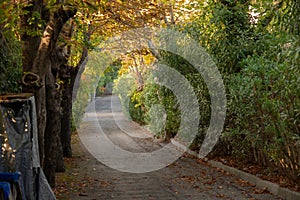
(262, 184)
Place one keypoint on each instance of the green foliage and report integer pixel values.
(125, 86)
(136, 108)
(10, 51)
(164, 96)
(279, 16)
(256, 61)
(157, 106)
(10, 63)
(266, 116)
(84, 96)
(224, 29)
(108, 77)
(154, 95)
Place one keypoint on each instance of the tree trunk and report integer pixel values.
(66, 130)
(52, 129)
(39, 79)
(56, 104)
(60, 163)
(30, 47)
(69, 75)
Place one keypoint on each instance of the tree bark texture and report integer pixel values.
(66, 129)
(52, 130)
(38, 78)
(30, 48)
(69, 74)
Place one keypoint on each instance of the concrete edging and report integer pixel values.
(262, 184)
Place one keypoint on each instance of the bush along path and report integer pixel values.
(186, 178)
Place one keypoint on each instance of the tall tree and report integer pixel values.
(54, 53)
(43, 23)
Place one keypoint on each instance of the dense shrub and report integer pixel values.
(161, 110)
(264, 108)
(126, 88)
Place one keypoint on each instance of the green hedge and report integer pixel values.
(264, 108)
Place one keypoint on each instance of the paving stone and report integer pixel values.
(186, 178)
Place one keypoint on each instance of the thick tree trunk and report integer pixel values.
(52, 129)
(56, 90)
(66, 101)
(30, 48)
(53, 146)
(39, 79)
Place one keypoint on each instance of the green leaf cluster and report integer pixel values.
(10, 50)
